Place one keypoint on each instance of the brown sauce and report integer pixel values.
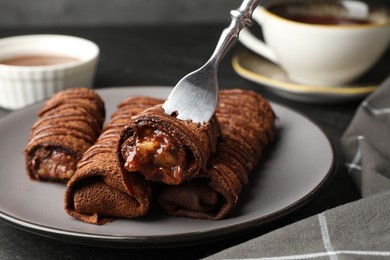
(152, 153)
(322, 12)
(54, 164)
(38, 60)
(327, 20)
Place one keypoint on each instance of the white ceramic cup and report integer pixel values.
(318, 54)
(21, 85)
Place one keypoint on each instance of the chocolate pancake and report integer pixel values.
(101, 190)
(166, 149)
(247, 124)
(68, 124)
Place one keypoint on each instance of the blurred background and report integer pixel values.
(113, 12)
(116, 12)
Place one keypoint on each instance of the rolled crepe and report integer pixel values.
(247, 125)
(68, 124)
(101, 190)
(166, 149)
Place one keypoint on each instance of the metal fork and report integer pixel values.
(195, 97)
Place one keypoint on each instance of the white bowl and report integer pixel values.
(21, 85)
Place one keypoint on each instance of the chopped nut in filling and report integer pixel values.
(53, 164)
(154, 154)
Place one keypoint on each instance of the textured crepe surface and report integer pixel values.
(68, 124)
(247, 124)
(190, 143)
(101, 190)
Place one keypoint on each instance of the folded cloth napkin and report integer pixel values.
(357, 230)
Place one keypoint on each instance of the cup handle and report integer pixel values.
(254, 43)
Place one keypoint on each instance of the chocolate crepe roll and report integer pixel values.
(166, 149)
(68, 124)
(247, 125)
(101, 190)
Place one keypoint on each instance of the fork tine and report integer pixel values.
(195, 97)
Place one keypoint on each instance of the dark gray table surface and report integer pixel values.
(161, 55)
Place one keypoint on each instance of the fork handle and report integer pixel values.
(241, 18)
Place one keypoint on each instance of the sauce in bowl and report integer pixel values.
(37, 60)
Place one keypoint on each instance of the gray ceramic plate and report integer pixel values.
(292, 172)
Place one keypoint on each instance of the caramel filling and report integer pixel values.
(154, 154)
(53, 164)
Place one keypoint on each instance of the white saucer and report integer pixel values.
(258, 69)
